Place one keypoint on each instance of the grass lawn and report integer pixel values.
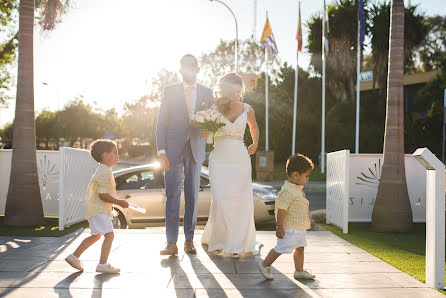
(50, 228)
(280, 174)
(405, 251)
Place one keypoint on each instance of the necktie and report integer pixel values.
(189, 91)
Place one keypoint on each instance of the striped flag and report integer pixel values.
(325, 28)
(361, 20)
(299, 34)
(267, 39)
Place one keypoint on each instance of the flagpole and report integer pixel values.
(296, 82)
(358, 85)
(323, 95)
(295, 104)
(266, 99)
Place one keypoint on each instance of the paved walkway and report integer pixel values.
(35, 267)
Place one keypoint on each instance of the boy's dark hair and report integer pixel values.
(98, 147)
(298, 163)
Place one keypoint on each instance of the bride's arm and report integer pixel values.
(254, 129)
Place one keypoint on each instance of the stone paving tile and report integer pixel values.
(365, 257)
(12, 245)
(141, 281)
(231, 281)
(342, 281)
(405, 280)
(255, 293)
(20, 265)
(316, 268)
(96, 292)
(381, 293)
(318, 257)
(333, 248)
(36, 255)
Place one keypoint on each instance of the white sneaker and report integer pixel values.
(107, 268)
(265, 271)
(235, 256)
(74, 262)
(303, 275)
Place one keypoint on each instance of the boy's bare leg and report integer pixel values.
(106, 247)
(270, 258)
(89, 241)
(299, 259)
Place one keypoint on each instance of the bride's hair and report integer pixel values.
(225, 90)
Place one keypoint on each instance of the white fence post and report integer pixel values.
(338, 177)
(435, 218)
(61, 189)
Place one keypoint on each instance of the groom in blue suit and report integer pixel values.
(181, 150)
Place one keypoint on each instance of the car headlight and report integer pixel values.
(265, 194)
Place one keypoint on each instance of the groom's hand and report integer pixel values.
(164, 161)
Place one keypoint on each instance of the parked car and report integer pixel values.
(144, 186)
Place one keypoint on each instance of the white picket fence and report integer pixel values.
(78, 168)
(352, 185)
(66, 172)
(338, 179)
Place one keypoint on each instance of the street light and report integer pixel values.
(236, 33)
(58, 111)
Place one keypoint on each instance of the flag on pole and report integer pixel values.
(299, 34)
(267, 39)
(326, 29)
(361, 20)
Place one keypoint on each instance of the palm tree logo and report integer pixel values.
(371, 177)
(47, 171)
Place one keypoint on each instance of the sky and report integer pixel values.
(108, 52)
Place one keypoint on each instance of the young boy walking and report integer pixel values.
(292, 218)
(101, 195)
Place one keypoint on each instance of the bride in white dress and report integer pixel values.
(230, 226)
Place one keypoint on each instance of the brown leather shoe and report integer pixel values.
(189, 247)
(170, 250)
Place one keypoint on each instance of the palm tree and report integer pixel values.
(23, 202)
(392, 211)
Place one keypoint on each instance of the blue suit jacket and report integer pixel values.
(173, 125)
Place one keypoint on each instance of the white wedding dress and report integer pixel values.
(231, 219)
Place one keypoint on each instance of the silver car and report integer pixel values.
(144, 186)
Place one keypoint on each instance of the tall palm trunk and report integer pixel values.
(24, 204)
(392, 211)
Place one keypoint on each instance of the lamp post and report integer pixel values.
(236, 33)
(58, 113)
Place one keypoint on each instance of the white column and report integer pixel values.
(435, 203)
(61, 189)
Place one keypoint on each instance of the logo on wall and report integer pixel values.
(47, 171)
(371, 177)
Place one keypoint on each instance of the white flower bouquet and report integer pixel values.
(210, 120)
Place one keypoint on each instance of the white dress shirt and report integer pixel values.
(192, 107)
(194, 98)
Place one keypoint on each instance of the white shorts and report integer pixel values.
(101, 224)
(292, 239)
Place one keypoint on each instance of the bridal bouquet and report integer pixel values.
(210, 120)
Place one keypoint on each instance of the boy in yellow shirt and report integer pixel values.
(101, 195)
(292, 217)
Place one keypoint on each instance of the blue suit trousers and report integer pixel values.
(173, 179)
